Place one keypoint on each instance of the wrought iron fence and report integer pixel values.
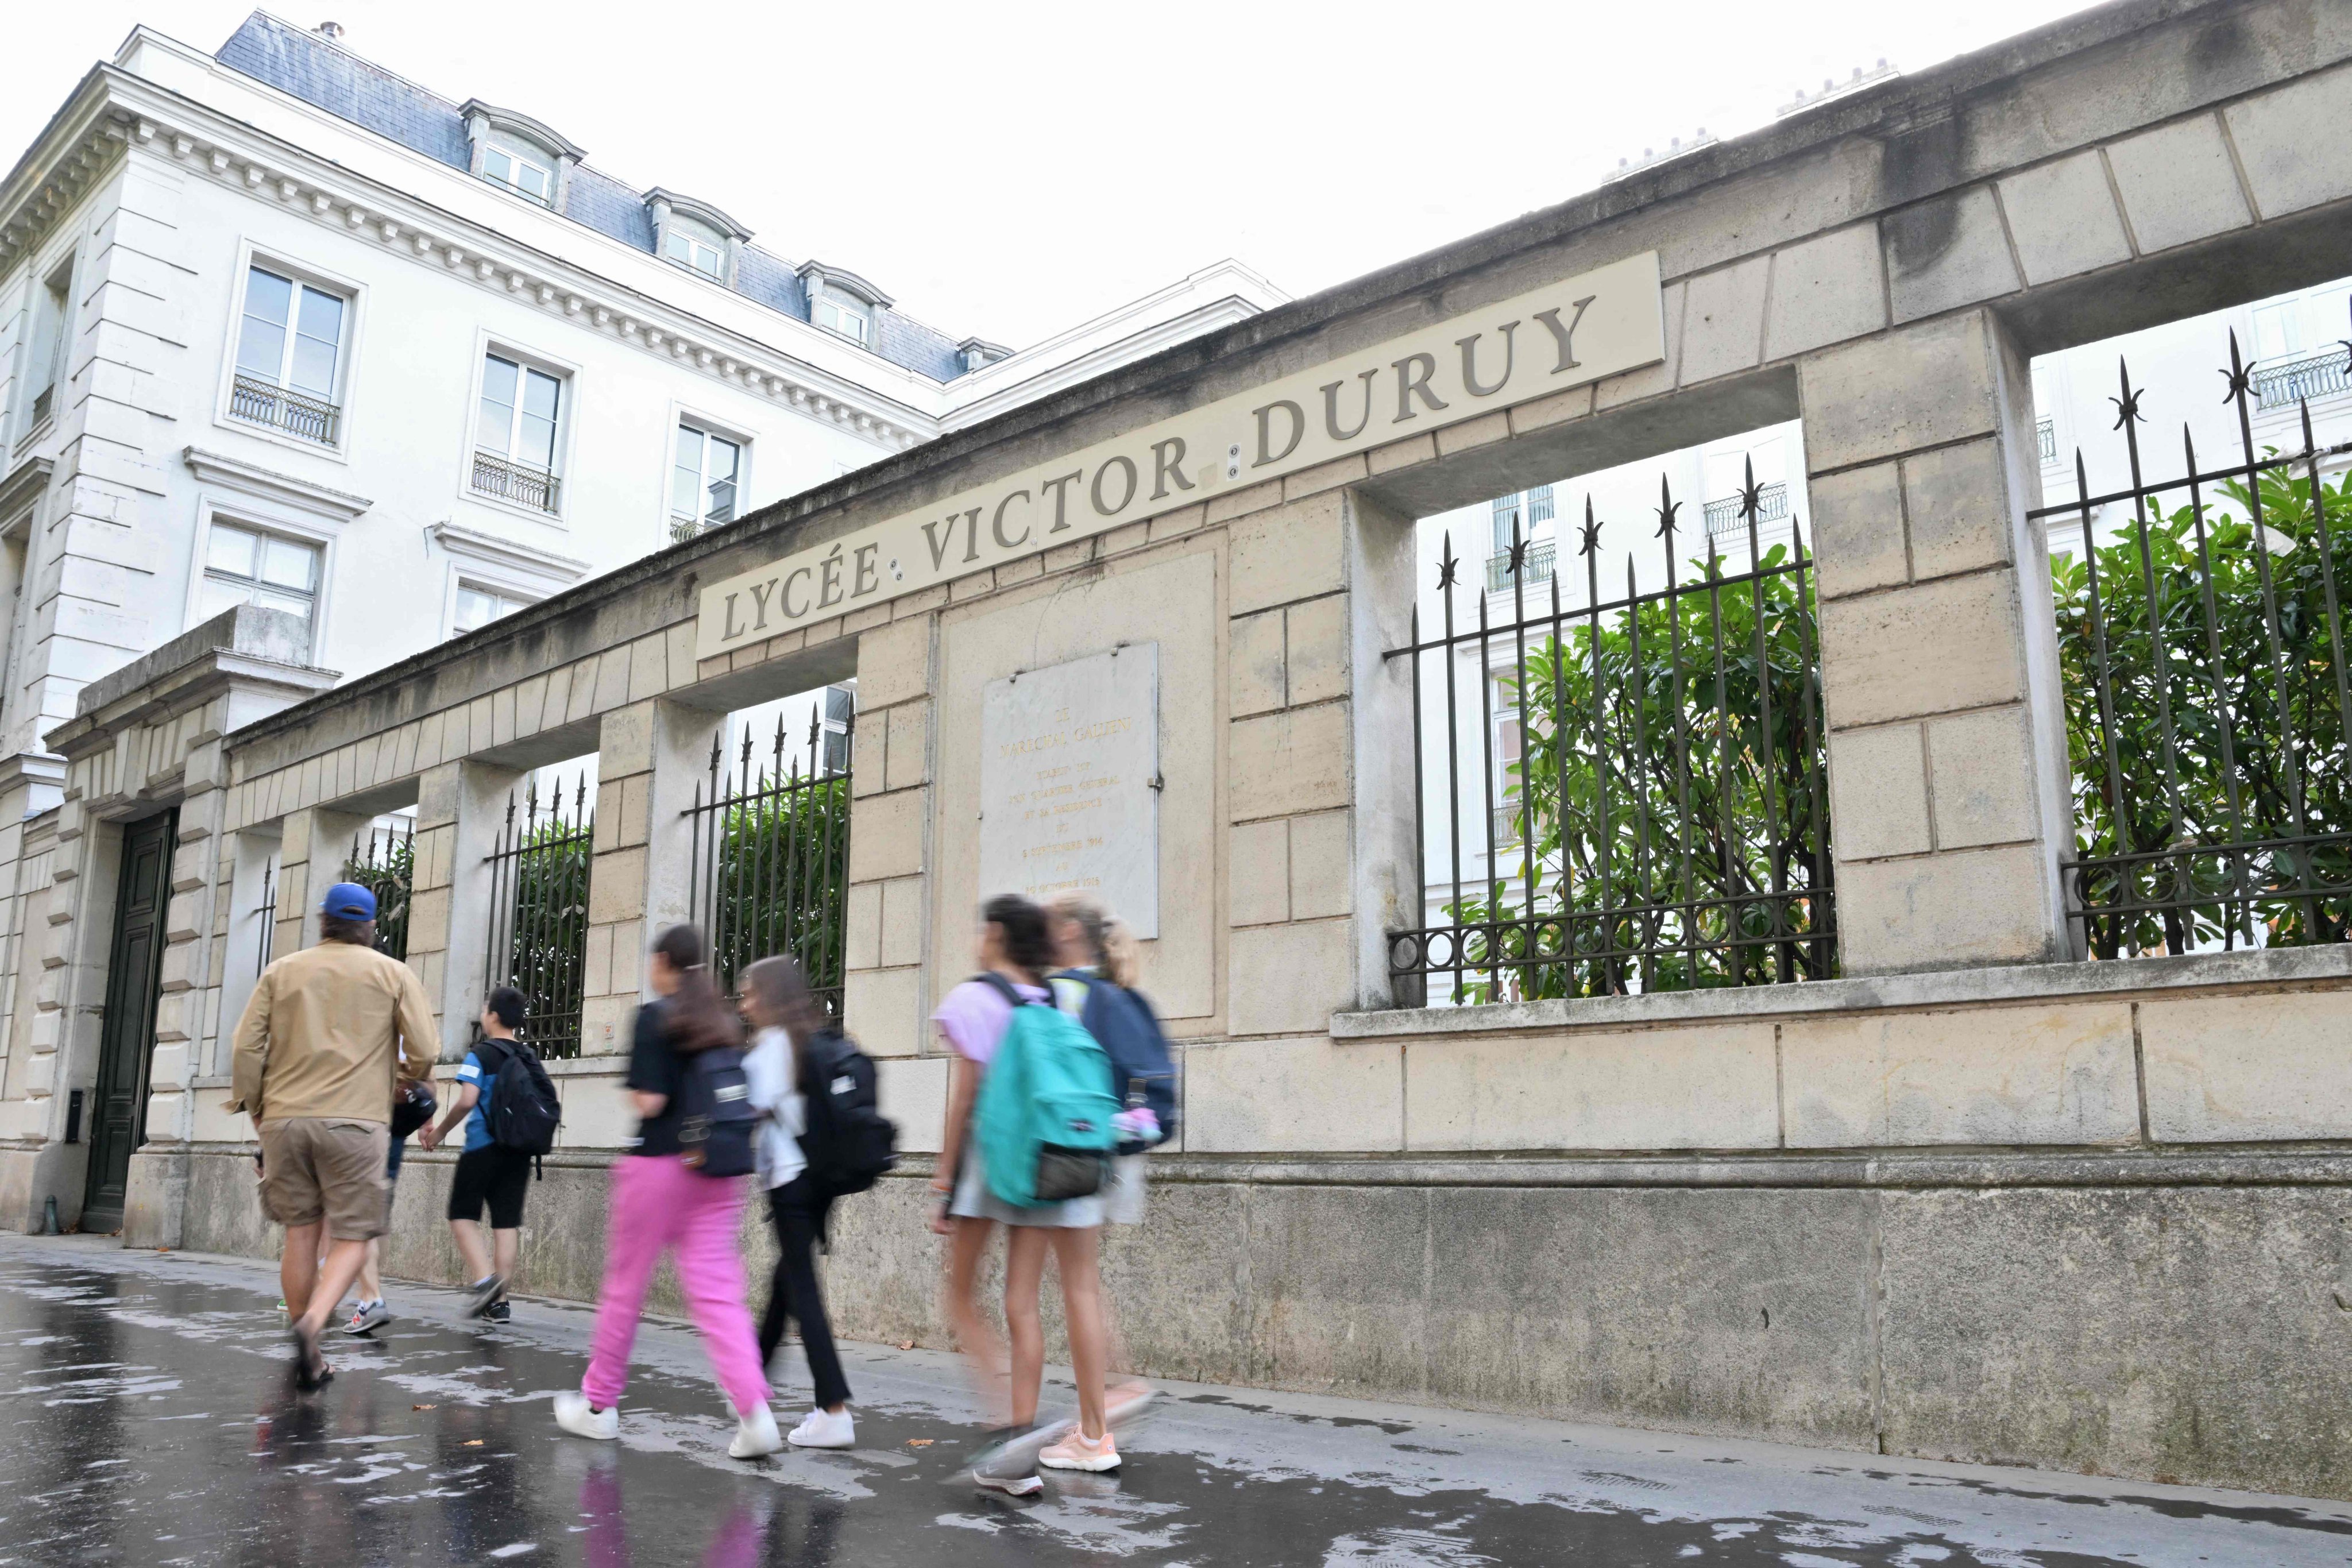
(537, 939)
(2208, 703)
(1671, 822)
(266, 911)
(516, 482)
(384, 861)
(1729, 515)
(297, 413)
(770, 858)
(2293, 381)
(1535, 567)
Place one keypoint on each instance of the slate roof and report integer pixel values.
(319, 72)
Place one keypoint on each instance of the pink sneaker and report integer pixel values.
(1080, 1452)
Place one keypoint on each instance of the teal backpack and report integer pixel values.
(1046, 1107)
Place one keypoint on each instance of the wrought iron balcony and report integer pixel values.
(2286, 382)
(297, 413)
(533, 488)
(1537, 568)
(42, 402)
(682, 529)
(2045, 437)
(1725, 517)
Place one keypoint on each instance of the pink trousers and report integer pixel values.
(658, 1204)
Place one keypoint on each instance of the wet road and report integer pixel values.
(147, 1418)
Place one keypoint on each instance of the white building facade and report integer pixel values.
(280, 327)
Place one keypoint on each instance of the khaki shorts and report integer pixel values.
(315, 1167)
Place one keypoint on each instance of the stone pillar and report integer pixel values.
(460, 806)
(310, 857)
(889, 838)
(1946, 747)
(649, 756)
(156, 1190)
(1318, 852)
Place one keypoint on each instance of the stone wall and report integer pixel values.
(1977, 1198)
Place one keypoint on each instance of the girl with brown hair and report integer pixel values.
(660, 1203)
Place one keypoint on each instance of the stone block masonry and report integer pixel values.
(1973, 1198)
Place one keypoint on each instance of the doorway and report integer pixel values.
(134, 971)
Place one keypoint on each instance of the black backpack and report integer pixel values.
(847, 1141)
(716, 1119)
(523, 1112)
(1123, 1024)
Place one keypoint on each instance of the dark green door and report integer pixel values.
(134, 970)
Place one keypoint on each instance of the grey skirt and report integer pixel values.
(973, 1201)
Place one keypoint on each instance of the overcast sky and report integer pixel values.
(1009, 168)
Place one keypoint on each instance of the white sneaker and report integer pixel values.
(756, 1435)
(824, 1429)
(573, 1413)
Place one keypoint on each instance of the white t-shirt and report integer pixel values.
(768, 1072)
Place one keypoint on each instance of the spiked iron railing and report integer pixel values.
(538, 938)
(1669, 795)
(2208, 703)
(384, 860)
(265, 913)
(770, 859)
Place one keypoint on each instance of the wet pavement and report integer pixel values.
(146, 1416)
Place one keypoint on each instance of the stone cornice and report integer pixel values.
(546, 135)
(114, 108)
(697, 209)
(818, 273)
(28, 480)
(507, 554)
(255, 479)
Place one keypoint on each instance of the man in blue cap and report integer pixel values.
(329, 1036)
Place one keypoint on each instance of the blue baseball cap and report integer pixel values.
(348, 901)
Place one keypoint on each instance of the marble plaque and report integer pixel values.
(1069, 783)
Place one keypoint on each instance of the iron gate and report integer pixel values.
(538, 938)
(770, 858)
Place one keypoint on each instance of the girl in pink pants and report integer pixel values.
(661, 1204)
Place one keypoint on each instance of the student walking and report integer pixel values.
(321, 1049)
(681, 1190)
(412, 1108)
(793, 1063)
(1015, 951)
(1095, 985)
(490, 1175)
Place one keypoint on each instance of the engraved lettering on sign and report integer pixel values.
(1598, 324)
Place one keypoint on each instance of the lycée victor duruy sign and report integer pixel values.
(1565, 334)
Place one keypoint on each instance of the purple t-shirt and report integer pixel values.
(974, 1016)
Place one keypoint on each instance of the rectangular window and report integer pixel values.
(689, 250)
(478, 608)
(245, 566)
(2278, 330)
(521, 174)
(289, 349)
(703, 481)
(836, 313)
(45, 365)
(515, 433)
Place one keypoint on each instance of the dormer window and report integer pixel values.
(516, 153)
(839, 311)
(692, 245)
(695, 235)
(527, 173)
(842, 302)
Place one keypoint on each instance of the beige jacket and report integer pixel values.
(330, 1032)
